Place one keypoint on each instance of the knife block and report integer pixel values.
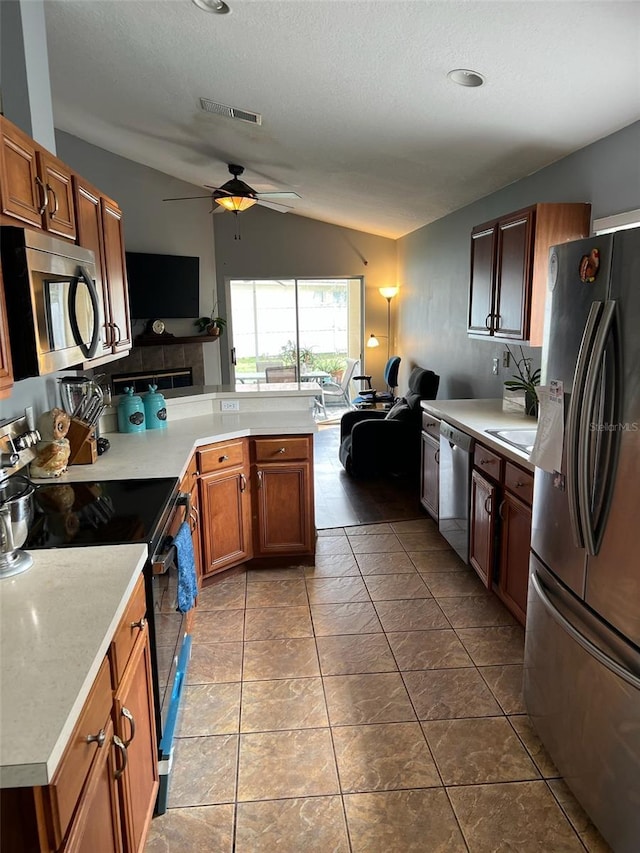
(82, 439)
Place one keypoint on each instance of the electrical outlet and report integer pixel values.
(506, 358)
(495, 367)
(230, 405)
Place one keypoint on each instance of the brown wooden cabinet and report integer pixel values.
(430, 465)
(189, 486)
(6, 369)
(35, 187)
(509, 258)
(282, 479)
(483, 527)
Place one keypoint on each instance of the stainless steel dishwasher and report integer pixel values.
(456, 449)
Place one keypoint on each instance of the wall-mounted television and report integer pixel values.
(163, 285)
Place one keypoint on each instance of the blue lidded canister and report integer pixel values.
(130, 412)
(155, 409)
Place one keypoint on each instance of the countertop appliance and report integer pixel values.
(52, 298)
(109, 512)
(582, 655)
(456, 449)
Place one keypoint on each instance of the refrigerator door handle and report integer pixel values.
(573, 421)
(591, 541)
(591, 649)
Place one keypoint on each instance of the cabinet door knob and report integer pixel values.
(126, 713)
(223, 458)
(259, 479)
(282, 450)
(141, 623)
(123, 752)
(99, 738)
(520, 485)
(484, 462)
(243, 482)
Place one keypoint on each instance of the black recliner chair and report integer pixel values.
(378, 442)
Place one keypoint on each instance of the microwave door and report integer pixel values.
(84, 312)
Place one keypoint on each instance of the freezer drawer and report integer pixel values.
(582, 691)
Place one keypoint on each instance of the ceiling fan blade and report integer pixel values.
(187, 197)
(285, 194)
(281, 208)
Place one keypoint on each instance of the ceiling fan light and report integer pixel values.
(236, 203)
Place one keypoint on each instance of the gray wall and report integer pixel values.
(433, 262)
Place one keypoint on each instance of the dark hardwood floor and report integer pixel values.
(342, 501)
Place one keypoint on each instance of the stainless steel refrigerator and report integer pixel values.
(582, 656)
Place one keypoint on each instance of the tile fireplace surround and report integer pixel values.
(160, 358)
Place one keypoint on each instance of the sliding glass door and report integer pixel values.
(288, 329)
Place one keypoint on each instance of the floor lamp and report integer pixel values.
(388, 293)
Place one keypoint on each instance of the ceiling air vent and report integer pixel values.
(230, 112)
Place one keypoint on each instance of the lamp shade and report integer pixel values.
(235, 203)
(388, 292)
(373, 342)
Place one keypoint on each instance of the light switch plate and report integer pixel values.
(230, 405)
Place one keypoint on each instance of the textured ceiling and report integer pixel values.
(358, 115)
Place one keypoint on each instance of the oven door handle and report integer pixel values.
(161, 563)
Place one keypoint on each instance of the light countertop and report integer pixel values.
(56, 623)
(476, 416)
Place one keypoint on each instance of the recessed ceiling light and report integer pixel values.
(463, 77)
(217, 6)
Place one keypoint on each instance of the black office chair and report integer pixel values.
(369, 396)
(379, 442)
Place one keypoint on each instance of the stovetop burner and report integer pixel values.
(105, 512)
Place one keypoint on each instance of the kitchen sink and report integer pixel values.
(523, 438)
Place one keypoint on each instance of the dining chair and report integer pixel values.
(281, 374)
(340, 390)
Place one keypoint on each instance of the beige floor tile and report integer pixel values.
(218, 626)
(388, 587)
(210, 709)
(229, 595)
(423, 541)
(419, 614)
(333, 566)
(276, 623)
(440, 649)
(383, 757)
(204, 771)
(479, 750)
(385, 564)
(312, 824)
(215, 663)
(369, 698)
(378, 543)
(331, 531)
(333, 545)
(354, 653)
(357, 618)
(277, 593)
(436, 561)
(287, 703)
(368, 529)
(580, 821)
(286, 573)
(475, 611)
(505, 682)
(336, 590)
(415, 525)
(290, 658)
(403, 822)
(520, 816)
(446, 694)
(454, 584)
(488, 646)
(286, 764)
(200, 829)
(522, 724)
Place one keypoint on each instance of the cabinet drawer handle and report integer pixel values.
(487, 325)
(126, 713)
(437, 456)
(243, 482)
(141, 623)
(259, 479)
(55, 200)
(500, 508)
(223, 458)
(123, 752)
(99, 738)
(488, 505)
(117, 328)
(520, 485)
(282, 450)
(485, 462)
(44, 196)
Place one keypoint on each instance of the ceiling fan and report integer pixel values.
(235, 195)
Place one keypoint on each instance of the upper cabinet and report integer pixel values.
(35, 187)
(509, 259)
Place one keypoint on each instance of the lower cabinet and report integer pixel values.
(226, 511)
(500, 535)
(430, 465)
(102, 795)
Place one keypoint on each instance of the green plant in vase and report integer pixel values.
(212, 325)
(526, 381)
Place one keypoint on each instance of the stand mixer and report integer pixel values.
(15, 516)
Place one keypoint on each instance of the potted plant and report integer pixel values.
(212, 325)
(525, 381)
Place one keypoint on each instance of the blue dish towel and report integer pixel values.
(187, 582)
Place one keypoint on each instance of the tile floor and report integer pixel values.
(370, 703)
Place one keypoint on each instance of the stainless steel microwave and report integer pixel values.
(54, 307)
